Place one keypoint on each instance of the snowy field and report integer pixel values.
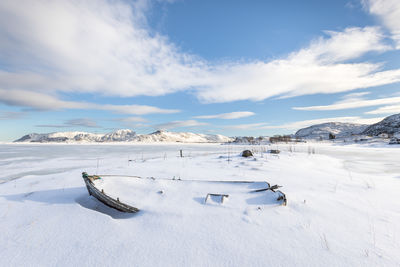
(343, 206)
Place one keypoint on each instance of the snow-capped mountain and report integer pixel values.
(389, 125)
(119, 136)
(164, 136)
(322, 131)
(123, 136)
(59, 137)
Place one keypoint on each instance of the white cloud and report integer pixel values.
(322, 67)
(88, 46)
(228, 116)
(105, 47)
(246, 126)
(352, 43)
(133, 109)
(82, 122)
(353, 103)
(35, 100)
(40, 101)
(353, 97)
(388, 11)
(391, 109)
(178, 124)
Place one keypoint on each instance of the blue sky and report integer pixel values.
(228, 67)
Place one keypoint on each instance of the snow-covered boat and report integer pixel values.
(174, 192)
(103, 197)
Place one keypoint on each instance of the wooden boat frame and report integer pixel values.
(103, 197)
(117, 204)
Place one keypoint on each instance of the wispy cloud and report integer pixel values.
(133, 109)
(131, 119)
(133, 122)
(245, 126)
(388, 11)
(391, 109)
(53, 126)
(12, 115)
(178, 124)
(84, 122)
(41, 101)
(227, 116)
(81, 122)
(323, 67)
(35, 100)
(350, 103)
(354, 96)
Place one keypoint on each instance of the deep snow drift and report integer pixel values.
(343, 207)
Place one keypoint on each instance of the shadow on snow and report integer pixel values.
(67, 196)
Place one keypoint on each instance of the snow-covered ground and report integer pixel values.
(343, 206)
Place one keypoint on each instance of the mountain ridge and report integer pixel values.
(122, 135)
(389, 127)
(323, 130)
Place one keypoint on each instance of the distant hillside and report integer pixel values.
(390, 125)
(59, 137)
(164, 136)
(322, 131)
(122, 136)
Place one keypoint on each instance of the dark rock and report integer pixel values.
(394, 141)
(274, 151)
(247, 153)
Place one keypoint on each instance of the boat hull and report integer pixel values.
(203, 186)
(103, 197)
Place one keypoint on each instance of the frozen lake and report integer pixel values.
(343, 207)
(39, 159)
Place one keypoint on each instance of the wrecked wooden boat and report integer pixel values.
(160, 194)
(103, 197)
